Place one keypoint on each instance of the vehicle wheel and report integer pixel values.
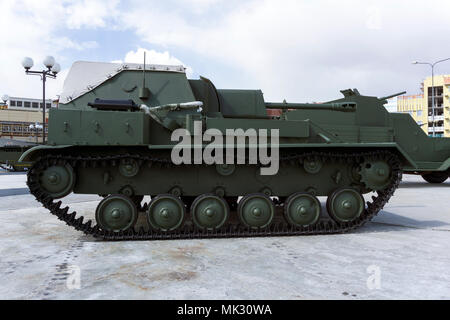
(209, 212)
(166, 212)
(116, 213)
(57, 181)
(435, 177)
(345, 205)
(302, 209)
(256, 210)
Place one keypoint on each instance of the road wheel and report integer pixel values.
(345, 205)
(256, 210)
(209, 212)
(302, 209)
(116, 213)
(166, 212)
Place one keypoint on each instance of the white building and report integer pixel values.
(16, 103)
(21, 118)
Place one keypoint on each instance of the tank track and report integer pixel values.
(231, 230)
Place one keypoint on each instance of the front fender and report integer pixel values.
(32, 154)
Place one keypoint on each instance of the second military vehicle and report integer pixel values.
(10, 153)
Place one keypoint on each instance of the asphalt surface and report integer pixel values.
(403, 254)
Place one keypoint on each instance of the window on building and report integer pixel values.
(40, 105)
(12, 103)
(48, 105)
(19, 103)
(35, 104)
(27, 104)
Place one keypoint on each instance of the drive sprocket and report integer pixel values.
(375, 174)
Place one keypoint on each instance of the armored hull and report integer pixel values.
(120, 138)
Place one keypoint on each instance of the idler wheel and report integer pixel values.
(166, 212)
(210, 212)
(116, 213)
(256, 210)
(375, 174)
(302, 209)
(345, 205)
(57, 181)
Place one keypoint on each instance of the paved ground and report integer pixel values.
(404, 253)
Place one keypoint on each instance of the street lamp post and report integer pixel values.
(432, 87)
(52, 69)
(35, 127)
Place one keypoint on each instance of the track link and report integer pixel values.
(324, 226)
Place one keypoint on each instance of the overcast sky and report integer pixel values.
(294, 50)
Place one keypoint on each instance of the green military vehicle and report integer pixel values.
(435, 176)
(135, 130)
(10, 152)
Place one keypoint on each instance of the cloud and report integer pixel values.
(303, 49)
(298, 50)
(90, 13)
(200, 6)
(33, 28)
(374, 20)
(66, 43)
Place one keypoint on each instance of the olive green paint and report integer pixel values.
(364, 123)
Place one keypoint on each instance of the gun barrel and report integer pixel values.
(393, 95)
(342, 106)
